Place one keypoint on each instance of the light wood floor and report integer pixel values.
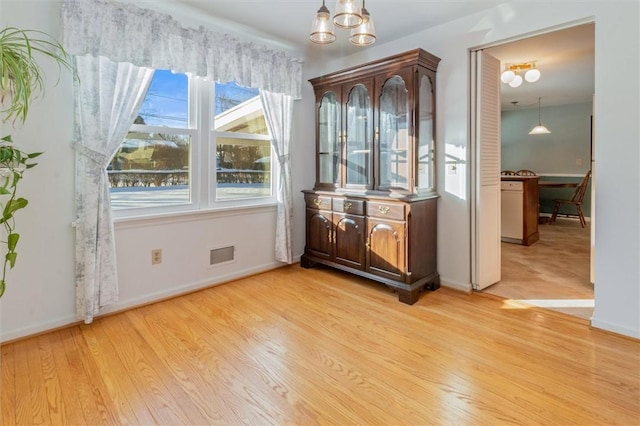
(302, 347)
(552, 272)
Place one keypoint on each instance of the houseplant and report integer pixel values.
(21, 82)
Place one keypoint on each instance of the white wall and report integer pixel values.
(40, 292)
(554, 153)
(617, 276)
(40, 289)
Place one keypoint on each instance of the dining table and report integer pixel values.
(557, 184)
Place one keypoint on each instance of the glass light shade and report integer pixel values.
(516, 82)
(539, 130)
(532, 75)
(365, 33)
(507, 76)
(322, 27)
(347, 14)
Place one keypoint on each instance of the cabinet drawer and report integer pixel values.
(348, 206)
(318, 202)
(386, 210)
(511, 186)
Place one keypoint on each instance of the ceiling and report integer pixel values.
(289, 21)
(565, 58)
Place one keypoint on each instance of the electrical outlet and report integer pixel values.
(156, 256)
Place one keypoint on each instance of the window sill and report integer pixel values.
(150, 219)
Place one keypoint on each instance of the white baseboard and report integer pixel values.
(614, 328)
(123, 305)
(35, 329)
(466, 287)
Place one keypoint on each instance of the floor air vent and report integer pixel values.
(220, 255)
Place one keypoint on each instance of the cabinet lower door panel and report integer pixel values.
(386, 254)
(319, 233)
(349, 240)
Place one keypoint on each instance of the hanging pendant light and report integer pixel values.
(347, 14)
(322, 27)
(365, 33)
(539, 129)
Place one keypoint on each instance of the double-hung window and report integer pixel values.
(195, 144)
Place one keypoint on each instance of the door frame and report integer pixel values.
(475, 162)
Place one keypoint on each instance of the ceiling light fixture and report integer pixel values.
(511, 74)
(322, 27)
(539, 129)
(348, 16)
(365, 33)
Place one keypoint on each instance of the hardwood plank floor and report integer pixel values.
(318, 346)
(553, 272)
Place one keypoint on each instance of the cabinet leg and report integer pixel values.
(433, 285)
(408, 297)
(306, 263)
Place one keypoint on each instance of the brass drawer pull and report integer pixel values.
(347, 205)
(383, 209)
(317, 202)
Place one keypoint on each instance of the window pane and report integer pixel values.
(243, 168)
(166, 102)
(150, 169)
(238, 109)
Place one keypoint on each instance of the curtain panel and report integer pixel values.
(108, 96)
(278, 111)
(126, 33)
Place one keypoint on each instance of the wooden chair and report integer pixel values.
(525, 172)
(575, 201)
(508, 173)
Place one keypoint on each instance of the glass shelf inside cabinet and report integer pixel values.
(426, 161)
(394, 135)
(359, 137)
(328, 140)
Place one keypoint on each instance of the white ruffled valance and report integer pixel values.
(126, 33)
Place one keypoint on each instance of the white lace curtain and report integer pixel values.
(107, 99)
(278, 110)
(126, 33)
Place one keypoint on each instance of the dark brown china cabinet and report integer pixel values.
(373, 208)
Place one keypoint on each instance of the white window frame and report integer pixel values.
(202, 168)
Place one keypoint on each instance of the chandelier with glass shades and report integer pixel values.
(512, 74)
(347, 15)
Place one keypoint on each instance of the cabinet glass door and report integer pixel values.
(425, 180)
(394, 134)
(328, 146)
(358, 142)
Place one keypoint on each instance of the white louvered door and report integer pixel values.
(485, 142)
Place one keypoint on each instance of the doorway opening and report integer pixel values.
(553, 272)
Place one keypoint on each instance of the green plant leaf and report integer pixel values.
(34, 154)
(4, 191)
(7, 139)
(11, 258)
(12, 206)
(3, 286)
(20, 74)
(12, 241)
